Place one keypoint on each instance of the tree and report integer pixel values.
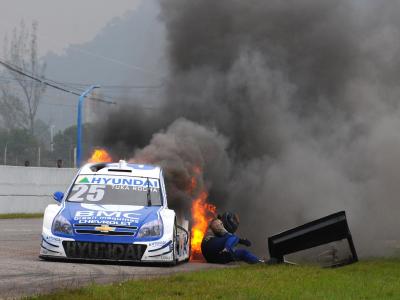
(19, 106)
(12, 110)
(20, 144)
(65, 142)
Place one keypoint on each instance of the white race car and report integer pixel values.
(118, 212)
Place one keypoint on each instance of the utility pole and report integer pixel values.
(39, 154)
(79, 124)
(5, 154)
(74, 157)
(52, 127)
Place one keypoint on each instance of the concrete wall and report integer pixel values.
(30, 189)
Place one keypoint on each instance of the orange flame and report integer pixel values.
(202, 214)
(100, 155)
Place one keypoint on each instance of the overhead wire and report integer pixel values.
(14, 81)
(9, 80)
(113, 60)
(48, 82)
(69, 87)
(104, 86)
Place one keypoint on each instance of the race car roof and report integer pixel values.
(122, 168)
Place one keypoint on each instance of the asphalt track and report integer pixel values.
(22, 273)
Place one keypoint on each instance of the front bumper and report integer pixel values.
(55, 247)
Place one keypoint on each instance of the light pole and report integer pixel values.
(79, 124)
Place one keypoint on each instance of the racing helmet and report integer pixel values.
(230, 221)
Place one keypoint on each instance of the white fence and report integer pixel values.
(30, 189)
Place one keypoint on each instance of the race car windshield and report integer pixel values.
(116, 190)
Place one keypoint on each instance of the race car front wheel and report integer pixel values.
(189, 240)
(175, 244)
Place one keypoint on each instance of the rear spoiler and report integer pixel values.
(319, 232)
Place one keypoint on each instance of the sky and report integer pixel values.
(86, 43)
(61, 22)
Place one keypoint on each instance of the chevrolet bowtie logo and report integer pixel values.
(104, 228)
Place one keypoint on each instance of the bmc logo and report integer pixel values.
(107, 214)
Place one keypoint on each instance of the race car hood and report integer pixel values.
(124, 215)
(89, 220)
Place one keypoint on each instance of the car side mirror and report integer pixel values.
(58, 196)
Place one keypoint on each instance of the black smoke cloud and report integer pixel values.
(187, 151)
(290, 107)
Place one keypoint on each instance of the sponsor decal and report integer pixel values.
(104, 250)
(164, 257)
(104, 228)
(54, 239)
(108, 207)
(107, 214)
(134, 188)
(84, 180)
(122, 223)
(119, 181)
(106, 217)
(157, 243)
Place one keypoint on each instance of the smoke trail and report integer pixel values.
(302, 101)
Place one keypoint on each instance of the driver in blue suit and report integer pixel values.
(219, 242)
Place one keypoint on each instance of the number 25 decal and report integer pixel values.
(94, 193)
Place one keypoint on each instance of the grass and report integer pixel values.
(21, 216)
(373, 279)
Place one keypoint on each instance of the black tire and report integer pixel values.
(190, 245)
(174, 244)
